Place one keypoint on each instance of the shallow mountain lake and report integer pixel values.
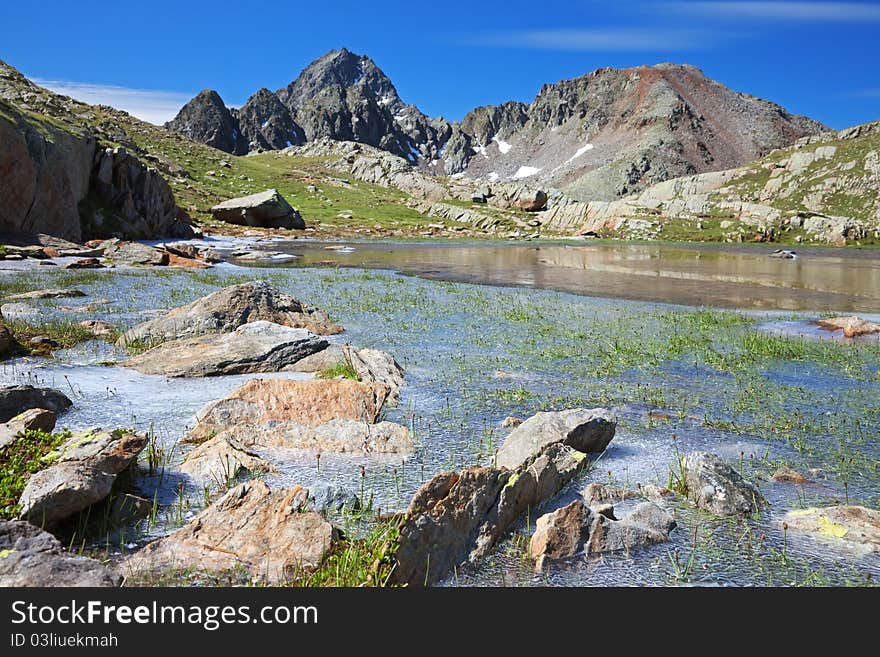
(692, 348)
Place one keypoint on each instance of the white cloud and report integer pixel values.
(152, 105)
(804, 11)
(605, 39)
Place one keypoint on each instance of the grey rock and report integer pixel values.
(47, 294)
(81, 473)
(266, 209)
(325, 497)
(206, 119)
(375, 366)
(35, 419)
(229, 308)
(266, 123)
(586, 430)
(254, 347)
(716, 487)
(32, 557)
(135, 253)
(14, 400)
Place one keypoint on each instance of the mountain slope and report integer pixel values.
(612, 132)
(825, 188)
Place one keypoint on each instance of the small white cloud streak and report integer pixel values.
(151, 105)
(597, 40)
(840, 12)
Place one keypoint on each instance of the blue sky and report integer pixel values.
(815, 58)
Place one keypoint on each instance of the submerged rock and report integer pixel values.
(81, 472)
(227, 309)
(55, 293)
(14, 400)
(251, 527)
(254, 347)
(852, 526)
(586, 430)
(788, 475)
(341, 436)
(221, 460)
(135, 253)
(265, 210)
(852, 326)
(35, 419)
(324, 497)
(716, 487)
(32, 557)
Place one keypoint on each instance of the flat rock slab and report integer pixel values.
(227, 309)
(15, 400)
(35, 419)
(134, 254)
(255, 347)
(251, 526)
(80, 473)
(276, 401)
(268, 209)
(586, 430)
(48, 294)
(341, 436)
(851, 526)
(32, 557)
(716, 487)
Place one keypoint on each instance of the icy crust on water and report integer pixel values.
(475, 354)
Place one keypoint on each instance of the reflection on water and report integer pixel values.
(741, 277)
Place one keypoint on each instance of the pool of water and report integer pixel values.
(475, 354)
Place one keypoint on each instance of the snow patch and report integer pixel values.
(580, 151)
(289, 144)
(414, 153)
(481, 150)
(493, 176)
(385, 100)
(265, 124)
(460, 174)
(503, 146)
(525, 172)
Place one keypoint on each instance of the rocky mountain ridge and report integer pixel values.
(601, 136)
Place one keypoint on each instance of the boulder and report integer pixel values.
(374, 366)
(254, 347)
(274, 402)
(852, 326)
(577, 528)
(586, 430)
(32, 557)
(716, 487)
(35, 419)
(325, 497)
(599, 493)
(134, 254)
(855, 527)
(85, 263)
(227, 309)
(265, 210)
(332, 356)
(81, 472)
(460, 516)
(250, 527)
(15, 400)
(561, 533)
(47, 294)
(221, 460)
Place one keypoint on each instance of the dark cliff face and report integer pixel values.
(206, 119)
(266, 124)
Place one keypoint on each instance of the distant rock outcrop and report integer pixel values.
(59, 179)
(206, 119)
